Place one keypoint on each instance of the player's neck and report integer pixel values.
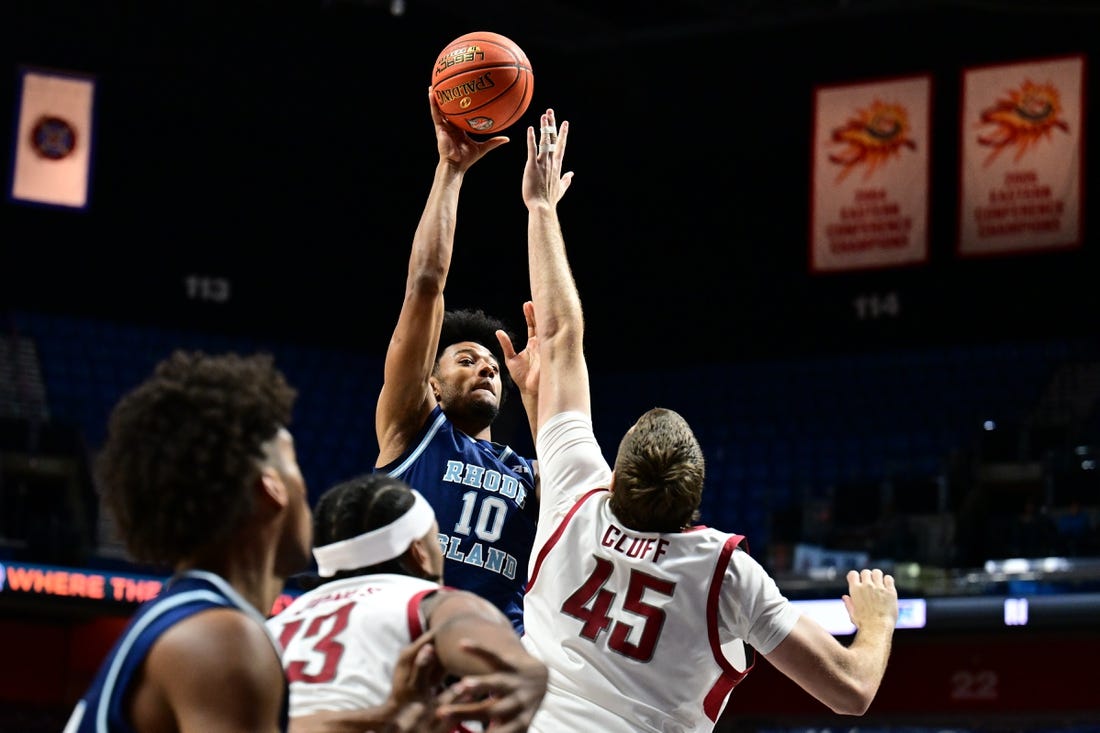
(249, 570)
(475, 430)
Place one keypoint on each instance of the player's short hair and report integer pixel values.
(659, 473)
(184, 448)
(477, 326)
(359, 505)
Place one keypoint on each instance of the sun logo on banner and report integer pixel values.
(870, 138)
(1022, 119)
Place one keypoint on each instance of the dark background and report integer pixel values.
(285, 149)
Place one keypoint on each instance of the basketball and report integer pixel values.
(483, 82)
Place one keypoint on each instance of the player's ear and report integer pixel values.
(611, 483)
(418, 558)
(271, 488)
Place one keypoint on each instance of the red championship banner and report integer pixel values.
(53, 143)
(869, 198)
(1021, 157)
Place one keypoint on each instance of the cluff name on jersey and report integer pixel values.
(633, 546)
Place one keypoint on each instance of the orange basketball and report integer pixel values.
(483, 82)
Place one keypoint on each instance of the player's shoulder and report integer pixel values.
(448, 601)
(216, 643)
(222, 629)
(222, 655)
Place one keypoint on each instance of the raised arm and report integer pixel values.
(844, 678)
(563, 378)
(406, 398)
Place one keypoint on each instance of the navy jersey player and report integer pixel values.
(200, 473)
(146, 655)
(442, 390)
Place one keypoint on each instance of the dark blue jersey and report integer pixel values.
(483, 495)
(102, 710)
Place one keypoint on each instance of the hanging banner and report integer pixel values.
(869, 199)
(53, 139)
(1022, 139)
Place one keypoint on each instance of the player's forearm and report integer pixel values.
(868, 655)
(530, 399)
(434, 238)
(858, 672)
(553, 288)
(843, 678)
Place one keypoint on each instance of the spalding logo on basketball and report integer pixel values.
(483, 82)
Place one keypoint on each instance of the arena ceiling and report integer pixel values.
(595, 23)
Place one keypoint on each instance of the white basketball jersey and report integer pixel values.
(341, 640)
(633, 620)
(631, 624)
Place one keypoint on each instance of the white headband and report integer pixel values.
(379, 545)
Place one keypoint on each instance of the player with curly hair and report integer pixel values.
(443, 387)
(200, 472)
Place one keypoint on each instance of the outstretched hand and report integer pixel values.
(416, 678)
(543, 181)
(418, 670)
(872, 597)
(410, 707)
(456, 146)
(523, 366)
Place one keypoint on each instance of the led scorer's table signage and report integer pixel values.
(19, 578)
